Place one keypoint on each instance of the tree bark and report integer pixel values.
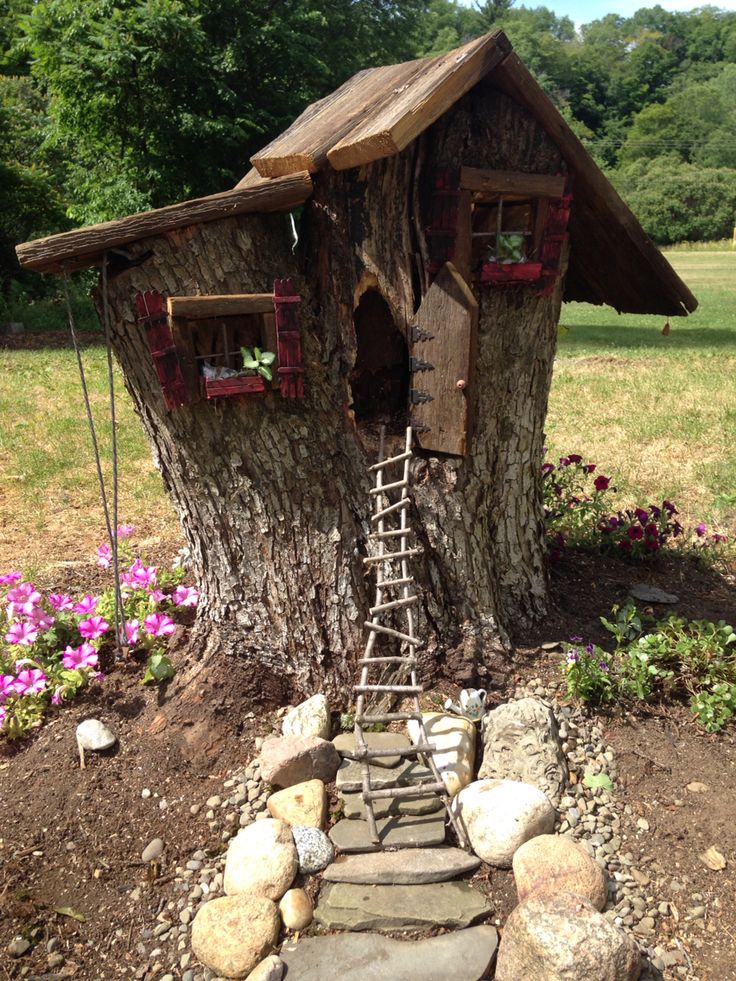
(272, 494)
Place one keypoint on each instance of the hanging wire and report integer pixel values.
(111, 531)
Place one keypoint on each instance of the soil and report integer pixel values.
(71, 838)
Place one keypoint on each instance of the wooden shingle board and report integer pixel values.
(304, 145)
(494, 182)
(231, 305)
(430, 92)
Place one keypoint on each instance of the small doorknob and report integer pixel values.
(460, 383)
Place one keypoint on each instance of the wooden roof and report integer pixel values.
(378, 112)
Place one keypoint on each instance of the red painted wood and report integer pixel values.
(244, 385)
(508, 273)
(291, 369)
(442, 233)
(553, 241)
(151, 310)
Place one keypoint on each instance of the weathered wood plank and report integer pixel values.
(51, 254)
(203, 307)
(449, 312)
(494, 182)
(399, 119)
(305, 144)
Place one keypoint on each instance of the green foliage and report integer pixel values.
(158, 668)
(259, 361)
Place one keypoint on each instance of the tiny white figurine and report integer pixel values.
(472, 704)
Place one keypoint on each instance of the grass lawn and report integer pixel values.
(657, 412)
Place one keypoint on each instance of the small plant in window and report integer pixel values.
(259, 362)
(510, 247)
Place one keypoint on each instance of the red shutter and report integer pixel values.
(555, 236)
(291, 370)
(151, 308)
(442, 233)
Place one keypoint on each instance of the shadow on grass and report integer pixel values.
(581, 338)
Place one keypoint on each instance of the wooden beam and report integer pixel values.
(85, 246)
(233, 305)
(495, 182)
(405, 113)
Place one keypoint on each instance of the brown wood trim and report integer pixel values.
(232, 305)
(511, 182)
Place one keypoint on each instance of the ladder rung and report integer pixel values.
(394, 582)
(390, 632)
(399, 689)
(397, 533)
(417, 790)
(388, 487)
(394, 604)
(391, 556)
(392, 659)
(389, 461)
(370, 720)
(398, 751)
(403, 503)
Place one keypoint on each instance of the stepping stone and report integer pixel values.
(345, 906)
(405, 831)
(407, 867)
(652, 594)
(345, 745)
(350, 775)
(463, 956)
(391, 806)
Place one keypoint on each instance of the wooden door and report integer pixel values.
(443, 354)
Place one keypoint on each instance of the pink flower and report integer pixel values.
(80, 657)
(157, 595)
(22, 633)
(41, 619)
(601, 483)
(7, 686)
(97, 676)
(93, 628)
(58, 695)
(159, 625)
(125, 531)
(140, 576)
(104, 556)
(132, 631)
(2, 717)
(186, 596)
(30, 681)
(86, 605)
(23, 599)
(699, 531)
(61, 602)
(10, 577)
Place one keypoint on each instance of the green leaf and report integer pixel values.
(159, 668)
(265, 371)
(268, 357)
(257, 353)
(594, 780)
(68, 911)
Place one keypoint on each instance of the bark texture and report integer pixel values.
(272, 494)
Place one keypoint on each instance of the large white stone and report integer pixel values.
(262, 859)
(95, 735)
(555, 863)
(310, 718)
(454, 739)
(500, 816)
(232, 934)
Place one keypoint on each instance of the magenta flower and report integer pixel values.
(23, 599)
(7, 686)
(642, 515)
(157, 595)
(84, 656)
(86, 605)
(2, 716)
(125, 531)
(41, 619)
(93, 628)
(104, 556)
(601, 483)
(186, 596)
(22, 633)
(10, 577)
(30, 682)
(159, 625)
(61, 602)
(140, 576)
(58, 695)
(132, 631)
(699, 531)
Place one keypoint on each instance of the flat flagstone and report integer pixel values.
(354, 808)
(350, 775)
(345, 745)
(410, 866)
(463, 956)
(346, 906)
(404, 831)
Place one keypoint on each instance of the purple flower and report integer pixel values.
(589, 649)
(642, 515)
(603, 665)
(573, 657)
(10, 577)
(575, 458)
(140, 576)
(576, 640)
(601, 483)
(699, 531)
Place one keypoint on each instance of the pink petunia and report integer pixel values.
(93, 628)
(61, 602)
(86, 605)
(104, 556)
(30, 682)
(157, 595)
(41, 619)
(58, 695)
(140, 576)
(7, 686)
(159, 625)
(84, 656)
(132, 631)
(23, 600)
(125, 531)
(186, 596)
(2, 716)
(22, 633)
(10, 577)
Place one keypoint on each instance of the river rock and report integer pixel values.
(345, 745)
(295, 759)
(261, 859)
(652, 594)
(554, 863)
(270, 969)
(304, 804)
(311, 718)
(454, 739)
(520, 742)
(314, 849)
(562, 937)
(95, 735)
(152, 851)
(500, 816)
(465, 955)
(344, 906)
(409, 866)
(232, 934)
(296, 909)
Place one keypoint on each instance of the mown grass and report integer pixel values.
(658, 411)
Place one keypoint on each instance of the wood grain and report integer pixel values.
(236, 304)
(494, 182)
